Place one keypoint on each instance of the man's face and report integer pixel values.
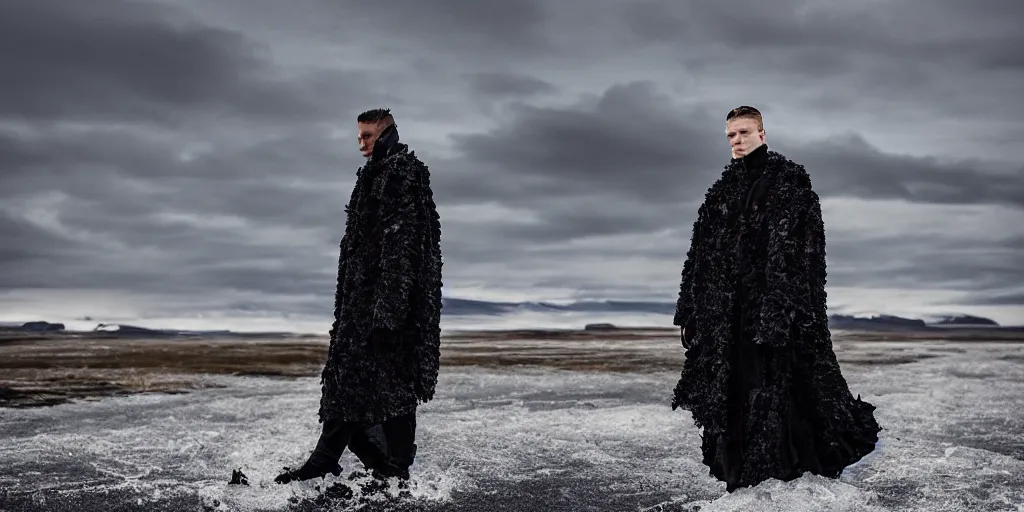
(368, 133)
(743, 135)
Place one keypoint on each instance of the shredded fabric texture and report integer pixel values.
(761, 378)
(384, 352)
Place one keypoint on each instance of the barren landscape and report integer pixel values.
(51, 368)
(523, 420)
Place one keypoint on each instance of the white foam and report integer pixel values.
(950, 426)
(809, 493)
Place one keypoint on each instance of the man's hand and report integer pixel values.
(686, 335)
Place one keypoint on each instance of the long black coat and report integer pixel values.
(760, 377)
(385, 341)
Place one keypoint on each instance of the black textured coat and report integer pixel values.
(760, 377)
(385, 341)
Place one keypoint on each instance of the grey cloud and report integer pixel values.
(565, 167)
(269, 221)
(851, 166)
(583, 217)
(167, 260)
(318, 282)
(117, 60)
(458, 25)
(920, 262)
(197, 152)
(630, 139)
(261, 180)
(998, 299)
(926, 30)
(24, 242)
(634, 143)
(508, 85)
(892, 59)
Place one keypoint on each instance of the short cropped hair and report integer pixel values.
(746, 111)
(377, 115)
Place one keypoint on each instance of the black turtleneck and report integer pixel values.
(751, 168)
(755, 161)
(387, 143)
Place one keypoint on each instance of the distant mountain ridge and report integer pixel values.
(966, 320)
(880, 322)
(469, 307)
(125, 330)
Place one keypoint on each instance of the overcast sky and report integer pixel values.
(195, 157)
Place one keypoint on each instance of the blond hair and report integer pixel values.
(747, 112)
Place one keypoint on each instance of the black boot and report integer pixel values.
(390, 468)
(324, 459)
(318, 465)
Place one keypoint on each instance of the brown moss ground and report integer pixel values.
(47, 369)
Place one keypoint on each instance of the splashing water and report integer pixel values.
(535, 439)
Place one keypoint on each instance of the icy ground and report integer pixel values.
(539, 439)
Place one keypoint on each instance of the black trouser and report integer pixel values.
(394, 439)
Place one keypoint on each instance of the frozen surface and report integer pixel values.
(531, 439)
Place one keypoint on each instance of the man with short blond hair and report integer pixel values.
(744, 128)
(760, 376)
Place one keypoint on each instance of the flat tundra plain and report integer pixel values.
(523, 420)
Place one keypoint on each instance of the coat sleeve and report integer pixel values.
(339, 289)
(400, 249)
(684, 303)
(339, 296)
(794, 272)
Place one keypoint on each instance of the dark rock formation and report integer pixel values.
(967, 320)
(42, 327)
(877, 323)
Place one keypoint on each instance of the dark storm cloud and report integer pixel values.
(508, 85)
(182, 250)
(456, 25)
(945, 30)
(634, 142)
(126, 74)
(926, 262)
(160, 258)
(115, 60)
(632, 139)
(23, 242)
(885, 59)
(584, 220)
(635, 162)
(131, 172)
(851, 166)
(200, 151)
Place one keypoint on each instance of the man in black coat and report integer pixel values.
(760, 376)
(384, 352)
